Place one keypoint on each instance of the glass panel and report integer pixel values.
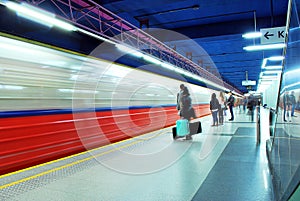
(284, 154)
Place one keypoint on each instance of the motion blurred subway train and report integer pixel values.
(56, 103)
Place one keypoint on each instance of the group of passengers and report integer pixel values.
(289, 105)
(218, 106)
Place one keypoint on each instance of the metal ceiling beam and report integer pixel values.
(88, 15)
(194, 7)
(227, 28)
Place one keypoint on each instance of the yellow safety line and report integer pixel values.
(74, 163)
(60, 159)
(74, 155)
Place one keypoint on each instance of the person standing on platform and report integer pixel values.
(179, 95)
(221, 108)
(250, 106)
(293, 102)
(214, 107)
(230, 103)
(186, 109)
(244, 103)
(286, 105)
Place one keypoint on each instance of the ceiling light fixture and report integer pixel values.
(168, 66)
(272, 67)
(252, 35)
(129, 50)
(152, 59)
(265, 47)
(39, 16)
(276, 58)
(95, 36)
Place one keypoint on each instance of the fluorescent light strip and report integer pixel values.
(252, 35)
(124, 48)
(272, 67)
(265, 47)
(271, 72)
(95, 36)
(129, 50)
(270, 77)
(168, 66)
(151, 59)
(179, 70)
(40, 16)
(48, 19)
(276, 58)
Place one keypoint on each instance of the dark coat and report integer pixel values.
(214, 104)
(230, 101)
(287, 99)
(186, 110)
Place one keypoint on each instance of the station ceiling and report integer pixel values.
(215, 26)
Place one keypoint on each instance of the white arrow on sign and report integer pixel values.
(272, 35)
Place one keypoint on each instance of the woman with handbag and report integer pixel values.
(186, 109)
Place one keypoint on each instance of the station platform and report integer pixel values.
(222, 163)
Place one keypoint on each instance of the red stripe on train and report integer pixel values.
(31, 140)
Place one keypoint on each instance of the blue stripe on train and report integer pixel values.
(23, 113)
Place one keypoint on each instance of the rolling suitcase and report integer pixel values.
(181, 129)
(195, 128)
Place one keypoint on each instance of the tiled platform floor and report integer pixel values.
(222, 163)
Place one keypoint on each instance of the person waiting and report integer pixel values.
(186, 109)
(286, 105)
(230, 103)
(214, 107)
(222, 107)
(293, 102)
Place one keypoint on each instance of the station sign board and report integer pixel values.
(272, 35)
